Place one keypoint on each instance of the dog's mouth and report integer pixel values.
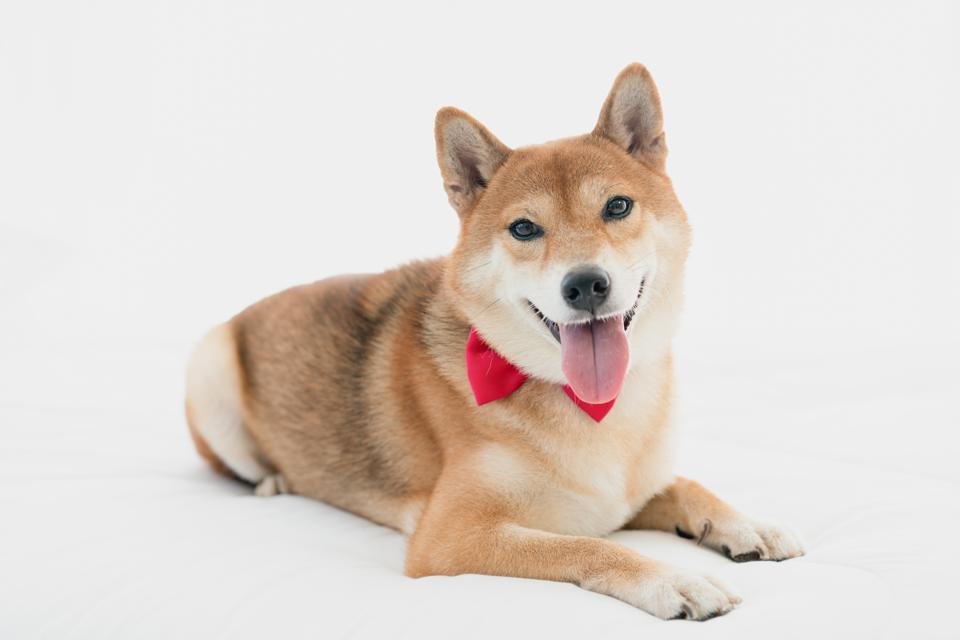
(627, 317)
(594, 354)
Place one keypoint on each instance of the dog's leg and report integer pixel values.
(690, 511)
(479, 537)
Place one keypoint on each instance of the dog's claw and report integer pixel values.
(684, 614)
(741, 557)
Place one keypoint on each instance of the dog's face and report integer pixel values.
(571, 253)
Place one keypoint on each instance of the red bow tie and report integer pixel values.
(492, 377)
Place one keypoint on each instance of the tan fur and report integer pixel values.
(353, 390)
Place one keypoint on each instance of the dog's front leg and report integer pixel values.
(475, 534)
(691, 511)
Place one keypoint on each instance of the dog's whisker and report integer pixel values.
(478, 266)
(641, 259)
(488, 307)
(657, 294)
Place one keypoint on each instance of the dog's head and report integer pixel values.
(570, 256)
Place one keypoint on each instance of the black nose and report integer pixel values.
(586, 288)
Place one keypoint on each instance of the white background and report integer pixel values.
(163, 164)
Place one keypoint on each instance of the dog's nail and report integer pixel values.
(685, 613)
(745, 557)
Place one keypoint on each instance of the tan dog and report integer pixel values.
(354, 390)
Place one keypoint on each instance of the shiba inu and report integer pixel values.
(510, 404)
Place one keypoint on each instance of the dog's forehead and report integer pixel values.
(556, 166)
(577, 170)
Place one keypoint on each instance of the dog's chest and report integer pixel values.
(599, 488)
(584, 500)
(590, 485)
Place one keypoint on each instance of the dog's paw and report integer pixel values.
(271, 486)
(745, 539)
(676, 595)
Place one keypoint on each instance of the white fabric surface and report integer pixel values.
(113, 528)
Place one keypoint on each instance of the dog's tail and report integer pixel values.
(214, 409)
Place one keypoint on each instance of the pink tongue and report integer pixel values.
(594, 358)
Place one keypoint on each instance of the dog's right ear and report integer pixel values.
(468, 155)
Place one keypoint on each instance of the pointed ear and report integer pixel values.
(468, 154)
(631, 117)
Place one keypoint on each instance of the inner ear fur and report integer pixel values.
(468, 155)
(632, 118)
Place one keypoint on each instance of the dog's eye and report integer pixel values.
(617, 207)
(523, 229)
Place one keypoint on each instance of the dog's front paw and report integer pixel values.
(745, 539)
(676, 595)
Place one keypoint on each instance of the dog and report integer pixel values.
(510, 404)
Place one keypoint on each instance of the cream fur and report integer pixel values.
(215, 398)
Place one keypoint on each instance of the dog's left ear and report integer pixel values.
(631, 117)
(468, 155)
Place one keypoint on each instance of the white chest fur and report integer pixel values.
(589, 481)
